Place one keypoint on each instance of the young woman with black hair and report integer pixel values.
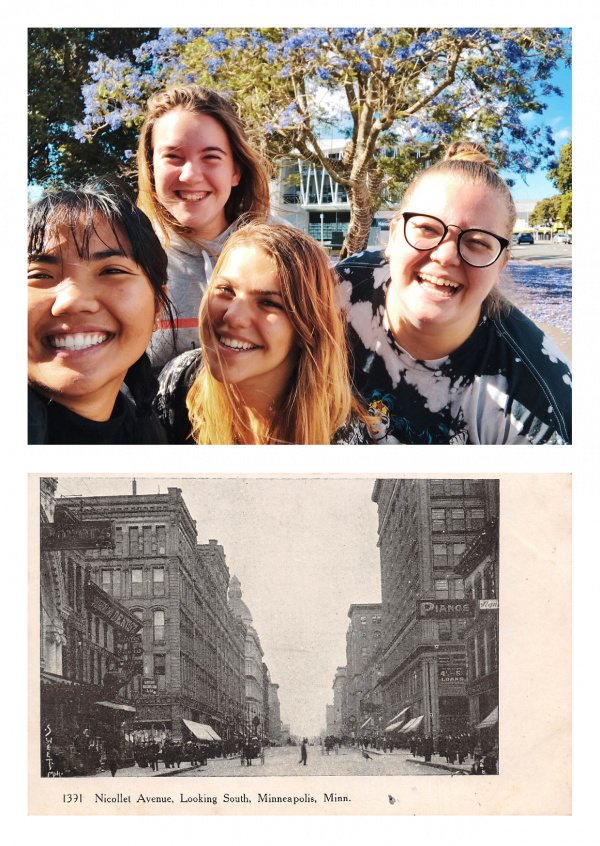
(96, 288)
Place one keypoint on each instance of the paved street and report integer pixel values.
(283, 761)
(543, 252)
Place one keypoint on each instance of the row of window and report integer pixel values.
(158, 623)
(457, 519)
(449, 588)
(456, 487)
(482, 650)
(131, 583)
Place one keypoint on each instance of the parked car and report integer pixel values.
(561, 238)
(525, 238)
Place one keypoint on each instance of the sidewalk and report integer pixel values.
(436, 761)
(146, 772)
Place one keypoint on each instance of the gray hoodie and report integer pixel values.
(189, 271)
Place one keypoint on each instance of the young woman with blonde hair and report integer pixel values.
(433, 341)
(273, 365)
(197, 176)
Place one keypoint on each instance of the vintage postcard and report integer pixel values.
(306, 645)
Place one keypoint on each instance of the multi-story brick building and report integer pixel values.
(479, 569)
(253, 663)
(340, 703)
(192, 661)
(425, 526)
(274, 731)
(363, 640)
(87, 645)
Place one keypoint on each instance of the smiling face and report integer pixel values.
(194, 170)
(89, 320)
(434, 299)
(257, 349)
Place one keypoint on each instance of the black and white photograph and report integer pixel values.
(220, 628)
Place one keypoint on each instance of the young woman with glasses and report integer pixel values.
(437, 350)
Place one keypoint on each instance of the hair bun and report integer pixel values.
(469, 151)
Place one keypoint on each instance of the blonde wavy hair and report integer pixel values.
(469, 161)
(319, 399)
(250, 197)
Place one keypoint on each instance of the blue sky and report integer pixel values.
(558, 116)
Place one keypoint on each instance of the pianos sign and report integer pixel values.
(445, 609)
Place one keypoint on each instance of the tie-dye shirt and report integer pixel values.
(507, 384)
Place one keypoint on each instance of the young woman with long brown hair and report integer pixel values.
(197, 174)
(273, 366)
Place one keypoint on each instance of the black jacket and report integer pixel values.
(49, 422)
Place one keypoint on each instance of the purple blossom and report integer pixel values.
(218, 41)
(389, 67)
(323, 74)
(344, 34)
(271, 53)
(129, 154)
(512, 51)
(362, 67)
(256, 39)
(213, 64)
(285, 72)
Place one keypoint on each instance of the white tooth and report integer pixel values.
(69, 342)
(79, 340)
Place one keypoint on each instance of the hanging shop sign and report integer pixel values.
(149, 685)
(444, 609)
(489, 605)
(86, 534)
(130, 651)
(102, 604)
(452, 668)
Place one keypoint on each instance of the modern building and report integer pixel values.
(363, 640)
(425, 527)
(191, 668)
(308, 198)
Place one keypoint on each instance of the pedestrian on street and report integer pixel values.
(428, 747)
(112, 760)
(303, 754)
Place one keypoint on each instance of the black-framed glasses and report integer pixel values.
(475, 246)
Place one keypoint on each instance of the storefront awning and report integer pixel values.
(398, 716)
(366, 722)
(117, 706)
(211, 731)
(412, 725)
(490, 720)
(201, 731)
(394, 726)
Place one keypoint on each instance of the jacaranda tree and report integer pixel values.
(57, 67)
(407, 89)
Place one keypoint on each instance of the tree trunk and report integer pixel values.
(362, 212)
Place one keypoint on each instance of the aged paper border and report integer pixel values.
(535, 691)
